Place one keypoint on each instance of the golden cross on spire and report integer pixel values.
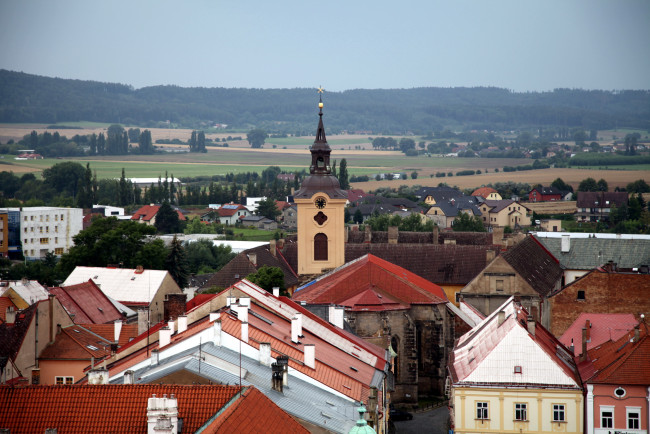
(320, 98)
(321, 90)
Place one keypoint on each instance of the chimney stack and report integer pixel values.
(336, 316)
(162, 415)
(214, 316)
(164, 337)
(299, 316)
(277, 373)
(244, 332)
(253, 258)
(98, 376)
(636, 333)
(51, 314)
(217, 333)
(129, 377)
(182, 323)
(171, 326)
(284, 362)
(155, 357)
(265, 353)
(565, 246)
(489, 255)
(11, 315)
(272, 248)
(393, 234)
(242, 312)
(310, 356)
(531, 325)
(583, 354)
(117, 330)
(588, 327)
(276, 291)
(36, 376)
(436, 234)
(501, 317)
(294, 330)
(143, 320)
(572, 348)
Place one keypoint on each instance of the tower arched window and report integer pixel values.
(320, 247)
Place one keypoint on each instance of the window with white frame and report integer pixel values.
(606, 417)
(520, 411)
(482, 410)
(63, 380)
(559, 413)
(633, 417)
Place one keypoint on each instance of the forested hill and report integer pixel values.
(31, 98)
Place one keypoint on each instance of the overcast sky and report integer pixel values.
(523, 45)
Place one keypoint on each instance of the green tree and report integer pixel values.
(268, 209)
(588, 184)
(406, 144)
(268, 277)
(200, 142)
(358, 216)
(144, 142)
(256, 137)
(343, 177)
(134, 135)
(638, 186)
(196, 226)
(176, 264)
(602, 185)
(561, 185)
(65, 177)
(107, 241)
(414, 175)
(167, 221)
(193, 143)
(114, 139)
(203, 256)
(466, 223)
(86, 197)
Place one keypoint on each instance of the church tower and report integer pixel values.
(321, 211)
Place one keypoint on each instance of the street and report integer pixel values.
(433, 421)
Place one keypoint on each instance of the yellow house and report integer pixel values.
(502, 213)
(510, 375)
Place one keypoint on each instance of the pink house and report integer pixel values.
(617, 378)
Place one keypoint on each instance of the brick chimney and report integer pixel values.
(583, 354)
(174, 305)
(162, 415)
(277, 373)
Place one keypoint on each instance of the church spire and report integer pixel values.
(320, 150)
(320, 133)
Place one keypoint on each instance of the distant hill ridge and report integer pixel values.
(32, 98)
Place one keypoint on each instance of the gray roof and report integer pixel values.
(301, 399)
(452, 207)
(588, 253)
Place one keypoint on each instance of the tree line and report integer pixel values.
(31, 98)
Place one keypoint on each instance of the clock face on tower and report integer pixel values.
(320, 203)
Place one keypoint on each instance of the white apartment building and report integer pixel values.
(48, 229)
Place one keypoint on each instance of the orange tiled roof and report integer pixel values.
(484, 192)
(369, 272)
(109, 408)
(254, 413)
(147, 212)
(82, 342)
(625, 361)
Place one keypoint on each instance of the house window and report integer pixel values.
(58, 251)
(482, 410)
(518, 370)
(581, 295)
(320, 247)
(61, 217)
(45, 240)
(633, 417)
(606, 417)
(520, 411)
(558, 413)
(64, 380)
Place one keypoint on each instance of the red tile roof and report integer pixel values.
(625, 361)
(229, 210)
(108, 408)
(484, 192)
(375, 279)
(83, 342)
(603, 327)
(147, 212)
(253, 413)
(87, 303)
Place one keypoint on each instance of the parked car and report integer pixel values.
(398, 414)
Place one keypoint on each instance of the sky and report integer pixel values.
(522, 45)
